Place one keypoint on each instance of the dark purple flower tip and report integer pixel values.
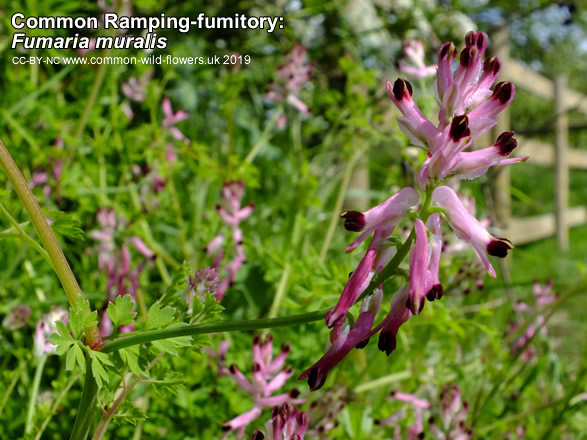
(462, 424)
(316, 379)
(288, 370)
(470, 38)
(285, 348)
(431, 421)
(459, 127)
(410, 306)
(447, 50)
(481, 40)
(377, 421)
(492, 65)
(362, 344)
(257, 435)
(387, 342)
(226, 427)
(401, 88)
(233, 368)
(275, 411)
(354, 220)
(504, 91)
(499, 248)
(421, 436)
(467, 56)
(436, 292)
(506, 143)
(257, 340)
(218, 207)
(466, 405)
(256, 367)
(294, 393)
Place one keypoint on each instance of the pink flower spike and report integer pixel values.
(410, 398)
(355, 286)
(420, 277)
(468, 228)
(446, 56)
(242, 420)
(502, 96)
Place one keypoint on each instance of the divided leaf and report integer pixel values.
(81, 318)
(120, 311)
(158, 317)
(62, 339)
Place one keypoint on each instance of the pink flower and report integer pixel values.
(232, 214)
(171, 119)
(468, 107)
(342, 340)
(204, 282)
(18, 317)
(268, 376)
(286, 423)
(292, 75)
(468, 228)
(414, 49)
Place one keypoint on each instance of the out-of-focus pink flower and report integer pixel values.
(468, 228)
(292, 75)
(268, 376)
(232, 214)
(204, 282)
(45, 328)
(170, 120)
(287, 423)
(134, 89)
(324, 411)
(416, 67)
(48, 176)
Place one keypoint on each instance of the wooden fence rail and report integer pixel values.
(559, 155)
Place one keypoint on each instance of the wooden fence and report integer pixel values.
(559, 155)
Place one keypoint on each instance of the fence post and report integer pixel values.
(561, 188)
(501, 175)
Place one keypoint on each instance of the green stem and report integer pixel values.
(348, 172)
(91, 101)
(264, 136)
(214, 327)
(56, 404)
(281, 288)
(83, 420)
(24, 235)
(8, 392)
(70, 285)
(28, 427)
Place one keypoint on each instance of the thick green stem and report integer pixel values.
(214, 327)
(70, 285)
(28, 427)
(83, 420)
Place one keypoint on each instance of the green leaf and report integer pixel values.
(75, 355)
(158, 317)
(120, 311)
(130, 356)
(62, 339)
(98, 371)
(65, 224)
(128, 412)
(81, 318)
(178, 285)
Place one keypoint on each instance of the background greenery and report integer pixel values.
(294, 181)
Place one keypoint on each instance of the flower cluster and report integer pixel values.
(467, 109)
(449, 409)
(48, 177)
(232, 214)
(171, 119)
(116, 263)
(203, 282)
(268, 376)
(292, 74)
(287, 423)
(134, 89)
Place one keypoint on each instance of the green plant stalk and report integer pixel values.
(25, 236)
(8, 392)
(265, 136)
(348, 172)
(91, 100)
(87, 404)
(215, 327)
(70, 285)
(56, 404)
(28, 427)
